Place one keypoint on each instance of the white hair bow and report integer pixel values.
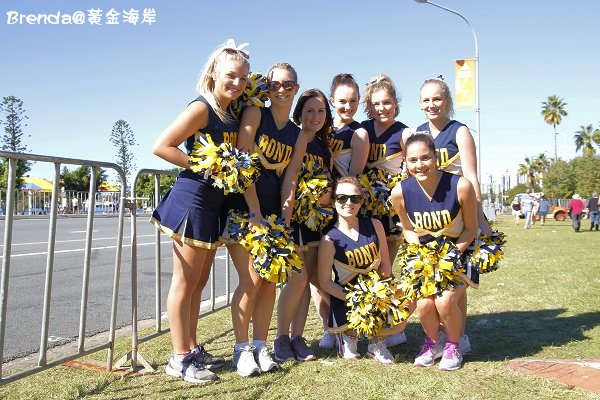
(230, 44)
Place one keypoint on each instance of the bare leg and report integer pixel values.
(449, 312)
(244, 296)
(188, 266)
(196, 298)
(321, 302)
(290, 298)
(310, 265)
(263, 310)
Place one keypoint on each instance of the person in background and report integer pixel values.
(516, 209)
(543, 209)
(527, 207)
(592, 206)
(576, 206)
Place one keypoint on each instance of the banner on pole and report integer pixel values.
(465, 83)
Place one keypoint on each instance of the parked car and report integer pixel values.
(558, 213)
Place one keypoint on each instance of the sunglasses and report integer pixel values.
(287, 85)
(343, 198)
(236, 51)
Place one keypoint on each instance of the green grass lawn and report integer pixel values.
(542, 303)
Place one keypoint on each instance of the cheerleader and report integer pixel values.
(386, 138)
(190, 212)
(432, 203)
(456, 153)
(313, 115)
(270, 133)
(349, 147)
(354, 245)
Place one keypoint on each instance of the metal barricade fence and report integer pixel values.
(133, 356)
(43, 362)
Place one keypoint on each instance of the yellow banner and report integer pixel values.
(465, 83)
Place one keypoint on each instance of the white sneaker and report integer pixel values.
(380, 352)
(328, 340)
(465, 344)
(395, 339)
(430, 351)
(264, 361)
(347, 346)
(243, 361)
(187, 370)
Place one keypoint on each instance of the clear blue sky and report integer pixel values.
(76, 81)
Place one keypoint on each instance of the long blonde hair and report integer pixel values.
(206, 83)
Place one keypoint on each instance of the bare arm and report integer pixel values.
(385, 266)
(325, 267)
(290, 181)
(190, 120)
(466, 198)
(407, 228)
(360, 152)
(468, 159)
(248, 125)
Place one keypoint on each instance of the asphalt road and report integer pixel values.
(28, 274)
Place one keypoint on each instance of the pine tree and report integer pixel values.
(12, 117)
(122, 138)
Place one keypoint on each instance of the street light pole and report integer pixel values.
(477, 116)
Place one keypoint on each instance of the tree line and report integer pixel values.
(559, 178)
(13, 119)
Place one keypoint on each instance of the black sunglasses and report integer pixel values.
(287, 85)
(343, 198)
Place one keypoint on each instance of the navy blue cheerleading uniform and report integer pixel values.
(274, 147)
(340, 146)
(351, 258)
(446, 148)
(304, 237)
(386, 153)
(191, 211)
(436, 217)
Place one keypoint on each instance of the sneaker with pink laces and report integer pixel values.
(430, 351)
(452, 357)
(301, 351)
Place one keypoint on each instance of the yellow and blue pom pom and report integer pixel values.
(314, 181)
(374, 304)
(232, 170)
(430, 269)
(255, 94)
(377, 187)
(270, 244)
(486, 252)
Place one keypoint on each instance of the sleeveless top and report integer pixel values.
(217, 130)
(353, 257)
(316, 150)
(385, 150)
(446, 148)
(274, 147)
(340, 146)
(436, 217)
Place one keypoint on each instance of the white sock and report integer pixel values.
(259, 344)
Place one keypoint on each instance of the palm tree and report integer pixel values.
(534, 169)
(585, 138)
(529, 169)
(553, 110)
